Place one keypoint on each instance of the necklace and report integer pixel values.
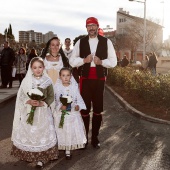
(37, 77)
(55, 57)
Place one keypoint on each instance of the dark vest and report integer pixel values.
(101, 52)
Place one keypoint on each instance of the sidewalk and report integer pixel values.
(6, 94)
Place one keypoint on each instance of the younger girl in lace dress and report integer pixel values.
(72, 135)
(36, 141)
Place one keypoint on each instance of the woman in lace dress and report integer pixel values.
(54, 58)
(72, 135)
(36, 142)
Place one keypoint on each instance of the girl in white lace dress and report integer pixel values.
(36, 142)
(72, 135)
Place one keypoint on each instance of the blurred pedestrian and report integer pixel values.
(68, 51)
(6, 62)
(31, 55)
(152, 63)
(20, 64)
(145, 62)
(124, 61)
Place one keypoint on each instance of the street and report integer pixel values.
(127, 143)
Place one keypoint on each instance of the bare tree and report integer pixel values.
(132, 37)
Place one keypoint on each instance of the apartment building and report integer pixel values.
(38, 37)
(48, 36)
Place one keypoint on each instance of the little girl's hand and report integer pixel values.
(35, 103)
(63, 107)
(76, 108)
(41, 103)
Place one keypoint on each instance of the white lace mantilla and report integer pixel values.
(43, 82)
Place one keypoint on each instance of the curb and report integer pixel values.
(134, 111)
(3, 101)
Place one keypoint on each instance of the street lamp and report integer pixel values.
(144, 30)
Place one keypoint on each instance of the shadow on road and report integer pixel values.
(127, 143)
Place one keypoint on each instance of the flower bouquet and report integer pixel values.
(66, 101)
(34, 94)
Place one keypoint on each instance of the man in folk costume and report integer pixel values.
(92, 55)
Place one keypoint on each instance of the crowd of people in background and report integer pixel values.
(18, 62)
(148, 63)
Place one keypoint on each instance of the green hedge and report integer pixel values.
(155, 89)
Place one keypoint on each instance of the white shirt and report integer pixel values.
(68, 52)
(76, 61)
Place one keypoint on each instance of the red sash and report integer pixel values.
(92, 75)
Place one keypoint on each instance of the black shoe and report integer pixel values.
(68, 156)
(95, 143)
(97, 146)
(39, 164)
(10, 87)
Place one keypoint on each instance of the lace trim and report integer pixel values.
(35, 148)
(43, 82)
(72, 147)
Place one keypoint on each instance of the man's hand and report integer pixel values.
(97, 61)
(88, 59)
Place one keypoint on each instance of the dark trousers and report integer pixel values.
(6, 75)
(20, 77)
(92, 93)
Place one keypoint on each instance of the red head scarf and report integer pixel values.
(100, 32)
(92, 20)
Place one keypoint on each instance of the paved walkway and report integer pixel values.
(127, 143)
(8, 93)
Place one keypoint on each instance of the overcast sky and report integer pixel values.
(66, 18)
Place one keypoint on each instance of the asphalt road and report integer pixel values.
(127, 143)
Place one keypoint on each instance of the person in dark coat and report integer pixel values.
(6, 62)
(124, 61)
(152, 63)
(31, 55)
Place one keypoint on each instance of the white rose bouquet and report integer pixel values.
(66, 101)
(34, 94)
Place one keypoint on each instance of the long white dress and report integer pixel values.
(35, 142)
(72, 135)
